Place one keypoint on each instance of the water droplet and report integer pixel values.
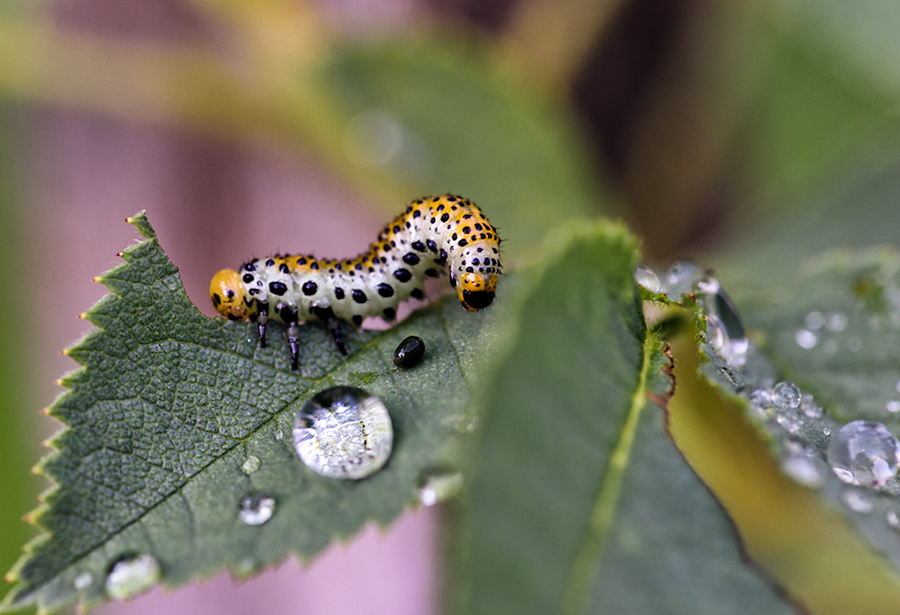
(786, 396)
(829, 346)
(761, 401)
(724, 330)
(256, 508)
(84, 580)
(893, 519)
(856, 501)
(893, 406)
(251, 464)
(864, 453)
(409, 352)
(132, 575)
(854, 344)
(344, 432)
(809, 406)
(438, 485)
(279, 434)
(681, 277)
(805, 339)
(647, 278)
(814, 321)
(791, 420)
(802, 469)
(836, 322)
(826, 431)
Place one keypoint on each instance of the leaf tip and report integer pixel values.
(140, 222)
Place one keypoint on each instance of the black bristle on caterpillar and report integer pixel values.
(431, 236)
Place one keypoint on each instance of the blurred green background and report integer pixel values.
(737, 131)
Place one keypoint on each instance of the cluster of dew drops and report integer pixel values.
(864, 455)
(342, 433)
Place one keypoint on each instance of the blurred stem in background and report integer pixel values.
(17, 448)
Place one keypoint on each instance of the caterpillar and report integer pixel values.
(433, 234)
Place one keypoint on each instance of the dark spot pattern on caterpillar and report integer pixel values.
(445, 233)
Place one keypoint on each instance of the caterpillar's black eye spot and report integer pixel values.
(338, 292)
(357, 319)
(385, 290)
(309, 288)
(418, 246)
(432, 273)
(403, 275)
(358, 295)
(390, 313)
(411, 259)
(217, 300)
(229, 293)
(417, 293)
(277, 288)
(477, 300)
(248, 277)
(445, 217)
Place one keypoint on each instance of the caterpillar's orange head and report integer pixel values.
(476, 290)
(227, 293)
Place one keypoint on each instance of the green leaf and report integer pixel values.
(170, 405)
(831, 328)
(579, 502)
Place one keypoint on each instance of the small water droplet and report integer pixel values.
(836, 322)
(279, 434)
(409, 352)
(893, 406)
(893, 519)
(864, 453)
(256, 508)
(344, 432)
(856, 501)
(438, 485)
(761, 401)
(84, 580)
(681, 277)
(251, 464)
(814, 321)
(829, 346)
(806, 339)
(854, 344)
(791, 420)
(786, 396)
(132, 575)
(809, 406)
(647, 278)
(802, 469)
(826, 431)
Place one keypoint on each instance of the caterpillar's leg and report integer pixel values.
(334, 326)
(289, 316)
(261, 321)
